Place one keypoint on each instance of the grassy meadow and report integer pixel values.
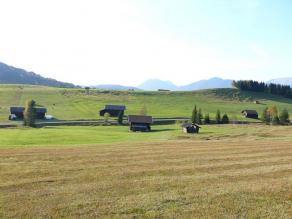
(226, 171)
(76, 104)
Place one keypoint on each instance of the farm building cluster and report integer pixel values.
(136, 123)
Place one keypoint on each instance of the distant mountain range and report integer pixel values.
(155, 84)
(114, 87)
(12, 75)
(283, 81)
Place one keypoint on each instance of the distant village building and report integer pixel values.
(140, 123)
(252, 114)
(18, 113)
(190, 128)
(113, 110)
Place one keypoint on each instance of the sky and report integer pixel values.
(90, 42)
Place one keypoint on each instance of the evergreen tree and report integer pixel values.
(218, 117)
(194, 115)
(284, 116)
(207, 118)
(200, 117)
(225, 119)
(29, 114)
(121, 117)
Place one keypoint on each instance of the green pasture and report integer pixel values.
(76, 104)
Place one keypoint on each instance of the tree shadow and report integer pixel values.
(162, 130)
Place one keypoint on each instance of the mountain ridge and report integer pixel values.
(13, 75)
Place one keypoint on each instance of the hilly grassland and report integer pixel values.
(225, 171)
(76, 104)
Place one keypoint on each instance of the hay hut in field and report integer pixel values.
(140, 123)
(252, 114)
(18, 112)
(190, 128)
(112, 110)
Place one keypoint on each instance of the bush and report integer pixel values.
(29, 114)
(284, 117)
(276, 120)
(218, 117)
(225, 119)
(121, 117)
(207, 118)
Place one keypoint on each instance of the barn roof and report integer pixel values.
(185, 125)
(40, 110)
(16, 109)
(115, 107)
(250, 112)
(140, 119)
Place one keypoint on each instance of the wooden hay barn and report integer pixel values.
(140, 123)
(190, 128)
(19, 112)
(252, 114)
(112, 110)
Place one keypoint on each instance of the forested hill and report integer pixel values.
(12, 75)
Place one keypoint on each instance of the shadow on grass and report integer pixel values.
(162, 130)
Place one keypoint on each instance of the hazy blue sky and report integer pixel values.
(129, 41)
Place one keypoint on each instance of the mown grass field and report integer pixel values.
(76, 104)
(230, 171)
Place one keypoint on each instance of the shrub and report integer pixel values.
(194, 115)
(225, 119)
(218, 117)
(207, 118)
(106, 117)
(29, 114)
(121, 117)
(275, 120)
(284, 117)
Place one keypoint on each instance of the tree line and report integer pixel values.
(198, 118)
(277, 89)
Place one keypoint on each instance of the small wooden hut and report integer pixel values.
(190, 128)
(252, 114)
(140, 123)
(112, 110)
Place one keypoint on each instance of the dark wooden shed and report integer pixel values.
(19, 112)
(252, 114)
(112, 110)
(140, 123)
(190, 128)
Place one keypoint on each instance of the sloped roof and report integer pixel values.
(140, 119)
(115, 107)
(16, 109)
(250, 112)
(21, 110)
(185, 125)
(40, 110)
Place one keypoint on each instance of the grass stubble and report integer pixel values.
(227, 178)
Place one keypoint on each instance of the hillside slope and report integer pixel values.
(75, 104)
(12, 75)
